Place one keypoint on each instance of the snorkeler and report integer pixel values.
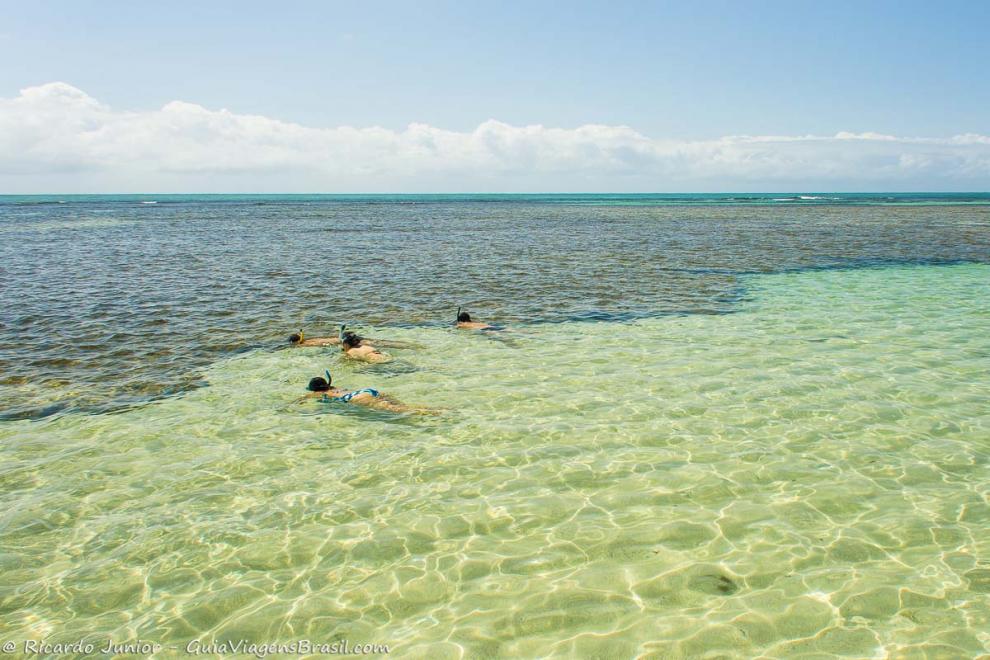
(464, 322)
(356, 348)
(321, 388)
(300, 339)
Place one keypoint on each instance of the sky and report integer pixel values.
(493, 96)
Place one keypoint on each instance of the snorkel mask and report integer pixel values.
(317, 387)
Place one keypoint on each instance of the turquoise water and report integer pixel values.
(803, 475)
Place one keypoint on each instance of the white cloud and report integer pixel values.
(55, 137)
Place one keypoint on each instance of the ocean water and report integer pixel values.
(724, 429)
(110, 301)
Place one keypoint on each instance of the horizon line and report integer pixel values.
(685, 192)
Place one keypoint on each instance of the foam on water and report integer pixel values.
(808, 475)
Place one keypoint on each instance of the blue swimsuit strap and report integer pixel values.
(345, 398)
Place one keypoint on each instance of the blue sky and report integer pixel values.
(670, 71)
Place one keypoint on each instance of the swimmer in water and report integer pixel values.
(300, 339)
(355, 348)
(464, 322)
(322, 389)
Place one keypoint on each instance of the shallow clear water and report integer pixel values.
(109, 302)
(809, 474)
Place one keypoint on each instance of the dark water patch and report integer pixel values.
(28, 413)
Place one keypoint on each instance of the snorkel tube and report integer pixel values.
(340, 336)
(457, 318)
(329, 378)
(302, 337)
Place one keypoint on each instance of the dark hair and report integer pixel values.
(294, 338)
(318, 384)
(351, 339)
(463, 317)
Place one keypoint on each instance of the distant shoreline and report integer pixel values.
(744, 199)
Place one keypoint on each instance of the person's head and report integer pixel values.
(463, 317)
(295, 338)
(318, 384)
(350, 340)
